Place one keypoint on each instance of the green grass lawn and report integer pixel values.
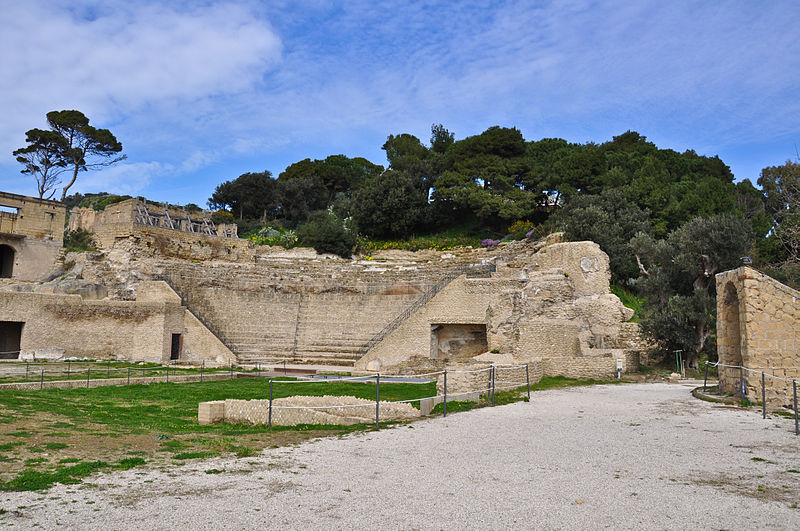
(62, 435)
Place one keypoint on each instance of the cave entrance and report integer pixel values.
(10, 337)
(458, 341)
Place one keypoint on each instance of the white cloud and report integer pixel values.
(111, 62)
(123, 178)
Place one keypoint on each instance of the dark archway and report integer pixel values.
(729, 340)
(6, 261)
(10, 337)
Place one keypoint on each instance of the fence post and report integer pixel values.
(88, 374)
(741, 381)
(108, 370)
(231, 370)
(202, 366)
(763, 396)
(41, 382)
(167, 372)
(377, 399)
(269, 418)
(796, 424)
(258, 370)
(142, 371)
(528, 381)
(492, 371)
(705, 378)
(129, 375)
(445, 392)
(26, 371)
(69, 376)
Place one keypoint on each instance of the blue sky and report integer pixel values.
(200, 92)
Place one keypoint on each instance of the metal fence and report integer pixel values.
(485, 382)
(91, 372)
(737, 375)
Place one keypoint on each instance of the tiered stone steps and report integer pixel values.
(305, 312)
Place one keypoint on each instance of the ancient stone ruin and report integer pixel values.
(757, 320)
(163, 290)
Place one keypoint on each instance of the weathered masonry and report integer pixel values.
(31, 234)
(168, 286)
(125, 218)
(155, 327)
(549, 306)
(757, 319)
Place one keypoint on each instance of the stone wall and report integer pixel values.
(332, 410)
(34, 218)
(757, 327)
(33, 232)
(120, 220)
(551, 304)
(109, 329)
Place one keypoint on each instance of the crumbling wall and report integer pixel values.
(757, 327)
(128, 330)
(34, 231)
(553, 305)
(120, 220)
(34, 218)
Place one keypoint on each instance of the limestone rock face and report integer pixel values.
(548, 304)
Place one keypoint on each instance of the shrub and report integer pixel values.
(520, 229)
(220, 216)
(328, 233)
(79, 241)
(490, 244)
(272, 236)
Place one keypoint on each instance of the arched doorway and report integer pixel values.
(729, 341)
(6, 261)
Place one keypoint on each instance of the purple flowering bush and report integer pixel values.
(490, 243)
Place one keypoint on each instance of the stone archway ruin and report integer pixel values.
(729, 339)
(757, 328)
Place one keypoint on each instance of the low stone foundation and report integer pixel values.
(295, 410)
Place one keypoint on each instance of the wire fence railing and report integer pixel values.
(737, 378)
(484, 382)
(44, 372)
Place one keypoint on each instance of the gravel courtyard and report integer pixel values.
(627, 456)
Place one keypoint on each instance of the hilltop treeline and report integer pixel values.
(669, 221)
(494, 179)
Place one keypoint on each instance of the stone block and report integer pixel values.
(425, 406)
(211, 412)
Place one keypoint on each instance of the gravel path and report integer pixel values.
(629, 456)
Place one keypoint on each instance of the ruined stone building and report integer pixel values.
(757, 328)
(163, 287)
(31, 233)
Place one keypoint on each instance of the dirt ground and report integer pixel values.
(622, 457)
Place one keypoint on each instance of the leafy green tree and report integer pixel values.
(610, 221)
(391, 205)
(328, 233)
(337, 174)
(299, 197)
(42, 158)
(87, 147)
(677, 280)
(483, 176)
(249, 196)
(781, 185)
(441, 138)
